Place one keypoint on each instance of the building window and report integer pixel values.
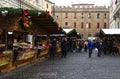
(37, 1)
(66, 15)
(74, 24)
(105, 25)
(75, 15)
(98, 25)
(57, 17)
(66, 23)
(105, 15)
(89, 35)
(89, 15)
(47, 6)
(82, 25)
(82, 35)
(89, 25)
(98, 15)
(82, 15)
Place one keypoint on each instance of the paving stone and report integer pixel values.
(75, 66)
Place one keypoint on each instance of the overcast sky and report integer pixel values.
(69, 2)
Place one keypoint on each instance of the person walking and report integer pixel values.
(64, 47)
(90, 47)
(39, 49)
(98, 45)
(53, 48)
(85, 45)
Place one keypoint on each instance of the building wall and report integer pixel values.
(25, 4)
(60, 12)
(115, 14)
(48, 6)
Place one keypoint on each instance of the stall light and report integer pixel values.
(4, 12)
(10, 33)
(29, 16)
(39, 13)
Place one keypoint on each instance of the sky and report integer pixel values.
(69, 2)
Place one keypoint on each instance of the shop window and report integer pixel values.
(66, 15)
(82, 25)
(74, 24)
(98, 25)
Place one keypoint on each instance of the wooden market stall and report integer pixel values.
(113, 34)
(18, 46)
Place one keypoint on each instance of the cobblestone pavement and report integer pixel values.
(75, 66)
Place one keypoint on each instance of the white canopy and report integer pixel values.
(111, 31)
(68, 30)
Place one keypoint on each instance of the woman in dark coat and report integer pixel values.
(64, 47)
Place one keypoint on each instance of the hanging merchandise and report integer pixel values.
(26, 23)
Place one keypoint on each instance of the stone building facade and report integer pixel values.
(87, 19)
(114, 14)
(28, 4)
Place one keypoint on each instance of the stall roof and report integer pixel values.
(68, 30)
(111, 31)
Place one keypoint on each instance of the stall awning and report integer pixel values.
(111, 31)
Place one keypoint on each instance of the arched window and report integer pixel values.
(75, 15)
(74, 24)
(98, 25)
(89, 25)
(105, 25)
(82, 24)
(66, 15)
(98, 15)
(66, 23)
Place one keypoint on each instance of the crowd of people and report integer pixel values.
(105, 46)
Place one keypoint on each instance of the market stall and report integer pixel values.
(113, 35)
(5, 59)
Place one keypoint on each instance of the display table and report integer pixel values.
(25, 57)
(5, 59)
(44, 52)
(58, 50)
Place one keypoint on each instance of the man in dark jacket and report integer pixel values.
(64, 47)
(53, 48)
